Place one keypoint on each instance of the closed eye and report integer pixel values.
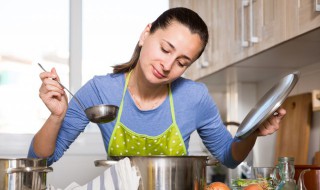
(164, 50)
(181, 64)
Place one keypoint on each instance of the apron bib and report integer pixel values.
(125, 142)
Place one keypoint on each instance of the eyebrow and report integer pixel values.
(172, 46)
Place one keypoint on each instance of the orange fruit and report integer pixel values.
(218, 186)
(253, 187)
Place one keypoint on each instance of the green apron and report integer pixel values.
(125, 142)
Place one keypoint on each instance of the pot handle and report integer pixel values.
(29, 169)
(212, 162)
(103, 163)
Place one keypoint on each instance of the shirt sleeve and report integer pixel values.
(73, 124)
(213, 132)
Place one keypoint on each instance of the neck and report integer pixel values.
(144, 94)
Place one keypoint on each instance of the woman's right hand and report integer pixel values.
(53, 94)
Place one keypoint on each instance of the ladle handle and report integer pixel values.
(64, 88)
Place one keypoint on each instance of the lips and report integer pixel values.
(157, 74)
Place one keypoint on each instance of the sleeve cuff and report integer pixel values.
(32, 154)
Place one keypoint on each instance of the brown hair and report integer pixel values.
(185, 16)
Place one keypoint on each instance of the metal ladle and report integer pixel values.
(97, 114)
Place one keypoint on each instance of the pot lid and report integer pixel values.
(267, 105)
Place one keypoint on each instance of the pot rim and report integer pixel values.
(159, 156)
(22, 159)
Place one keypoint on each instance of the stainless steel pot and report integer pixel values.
(23, 174)
(167, 172)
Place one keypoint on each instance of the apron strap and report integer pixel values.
(124, 92)
(172, 105)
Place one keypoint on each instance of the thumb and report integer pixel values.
(281, 113)
(55, 74)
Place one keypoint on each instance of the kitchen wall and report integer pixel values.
(309, 80)
(238, 98)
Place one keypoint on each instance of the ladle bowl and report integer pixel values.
(102, 113)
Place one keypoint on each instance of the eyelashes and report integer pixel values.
(180, 64)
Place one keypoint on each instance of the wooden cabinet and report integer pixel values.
(202, 66)
(257, 25)
(301, 17)
(239, 29)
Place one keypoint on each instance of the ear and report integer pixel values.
(144, 34)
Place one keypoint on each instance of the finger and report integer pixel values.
(47, 80)
(267, 126)
(52, 74)
(53, 88)
(264, 130)
(55, 74)
(50, 82)
(51, 95)
(55, 95)
(43, 89)
(281, 113)
(50, 85)
(276, 117)
(44, 75)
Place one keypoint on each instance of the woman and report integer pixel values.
(158, 109)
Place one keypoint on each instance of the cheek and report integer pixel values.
(177, 71)
(150, 51)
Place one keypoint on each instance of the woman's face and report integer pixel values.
(167, 53)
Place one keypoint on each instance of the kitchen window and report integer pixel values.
(38, 31)
(31, 31)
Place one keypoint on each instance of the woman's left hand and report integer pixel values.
(271, 125)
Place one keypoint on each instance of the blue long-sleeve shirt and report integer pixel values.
(194, 110)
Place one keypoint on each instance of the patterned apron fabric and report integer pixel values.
(125, 142)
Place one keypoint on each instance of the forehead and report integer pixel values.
(181, 38)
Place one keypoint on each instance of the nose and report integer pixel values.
(167, 64)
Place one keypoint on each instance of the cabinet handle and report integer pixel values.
(253, 39)
(244, 43)
(317, 5)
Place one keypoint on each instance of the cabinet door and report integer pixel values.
(238, 34)
(301, 17)
(258, 25)
(309, 18)
(193, 71)
(211, 59)
(218, 15)
(269, 23)
(221, 33)
(239, 29)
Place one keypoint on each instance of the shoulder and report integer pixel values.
(108, 77)
(188, 93)
(109, 80)
(104, 84)
(189, 88)
(103, 89)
